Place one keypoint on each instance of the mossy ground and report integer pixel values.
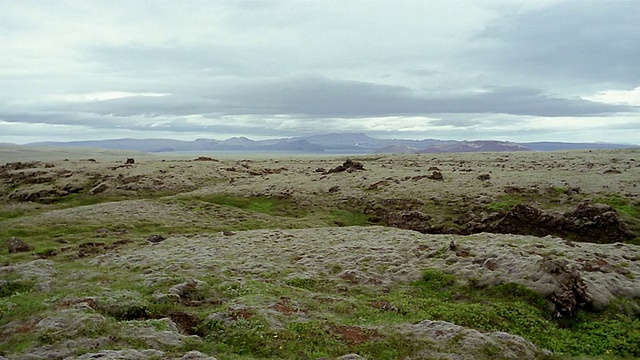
(277, 313)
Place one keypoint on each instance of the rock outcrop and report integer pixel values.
(348, 166)
(587, 222)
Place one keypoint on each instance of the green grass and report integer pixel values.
(317, 328)
(506, 202)
(624, 206)
(348, 218)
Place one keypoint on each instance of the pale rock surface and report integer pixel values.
(461, 343)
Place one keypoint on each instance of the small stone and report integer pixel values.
(436, 175)
(453, 246)
(350, 357)
(156, 238)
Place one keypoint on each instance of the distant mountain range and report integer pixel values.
(334, 143)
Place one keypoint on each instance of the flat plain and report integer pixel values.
(432, 256)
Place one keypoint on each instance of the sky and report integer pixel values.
(513, 70)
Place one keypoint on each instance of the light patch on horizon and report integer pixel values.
(104, 95)
(627, 97)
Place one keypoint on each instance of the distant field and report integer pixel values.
(12, 153)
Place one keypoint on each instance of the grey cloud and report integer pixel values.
(325, 98)
(309, 98)
(585, 42)
(148, 61)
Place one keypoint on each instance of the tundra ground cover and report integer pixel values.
(275, 258)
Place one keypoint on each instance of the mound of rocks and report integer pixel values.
(587, 222)
(348, 166)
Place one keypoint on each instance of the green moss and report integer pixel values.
(505, 202)
(261, 204)
(624, 206)
(312, 284)
(435, 280)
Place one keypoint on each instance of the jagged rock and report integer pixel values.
(521, 219)
(436, 175)
(16, 245)
(130, 161)
(19, 166)
(587, 222)
(348, 166)
(572, 292)
(34, 195)
(597, 223)
(484, 177)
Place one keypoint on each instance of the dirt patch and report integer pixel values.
(285, 306)
(187, 323)
(353, 335)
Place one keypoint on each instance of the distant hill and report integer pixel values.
(474, 146)
(357, 143)
(551, 146)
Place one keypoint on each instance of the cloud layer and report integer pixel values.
(511, 70)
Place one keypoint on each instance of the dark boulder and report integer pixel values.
(348, 166)
(598, 223)
(156, 239)
(436, 175)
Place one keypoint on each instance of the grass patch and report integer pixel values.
(11, 214)
(348, 218)
(505, 202)
(624, 206)
(10, 288)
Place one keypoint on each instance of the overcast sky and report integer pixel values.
(518, 70)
